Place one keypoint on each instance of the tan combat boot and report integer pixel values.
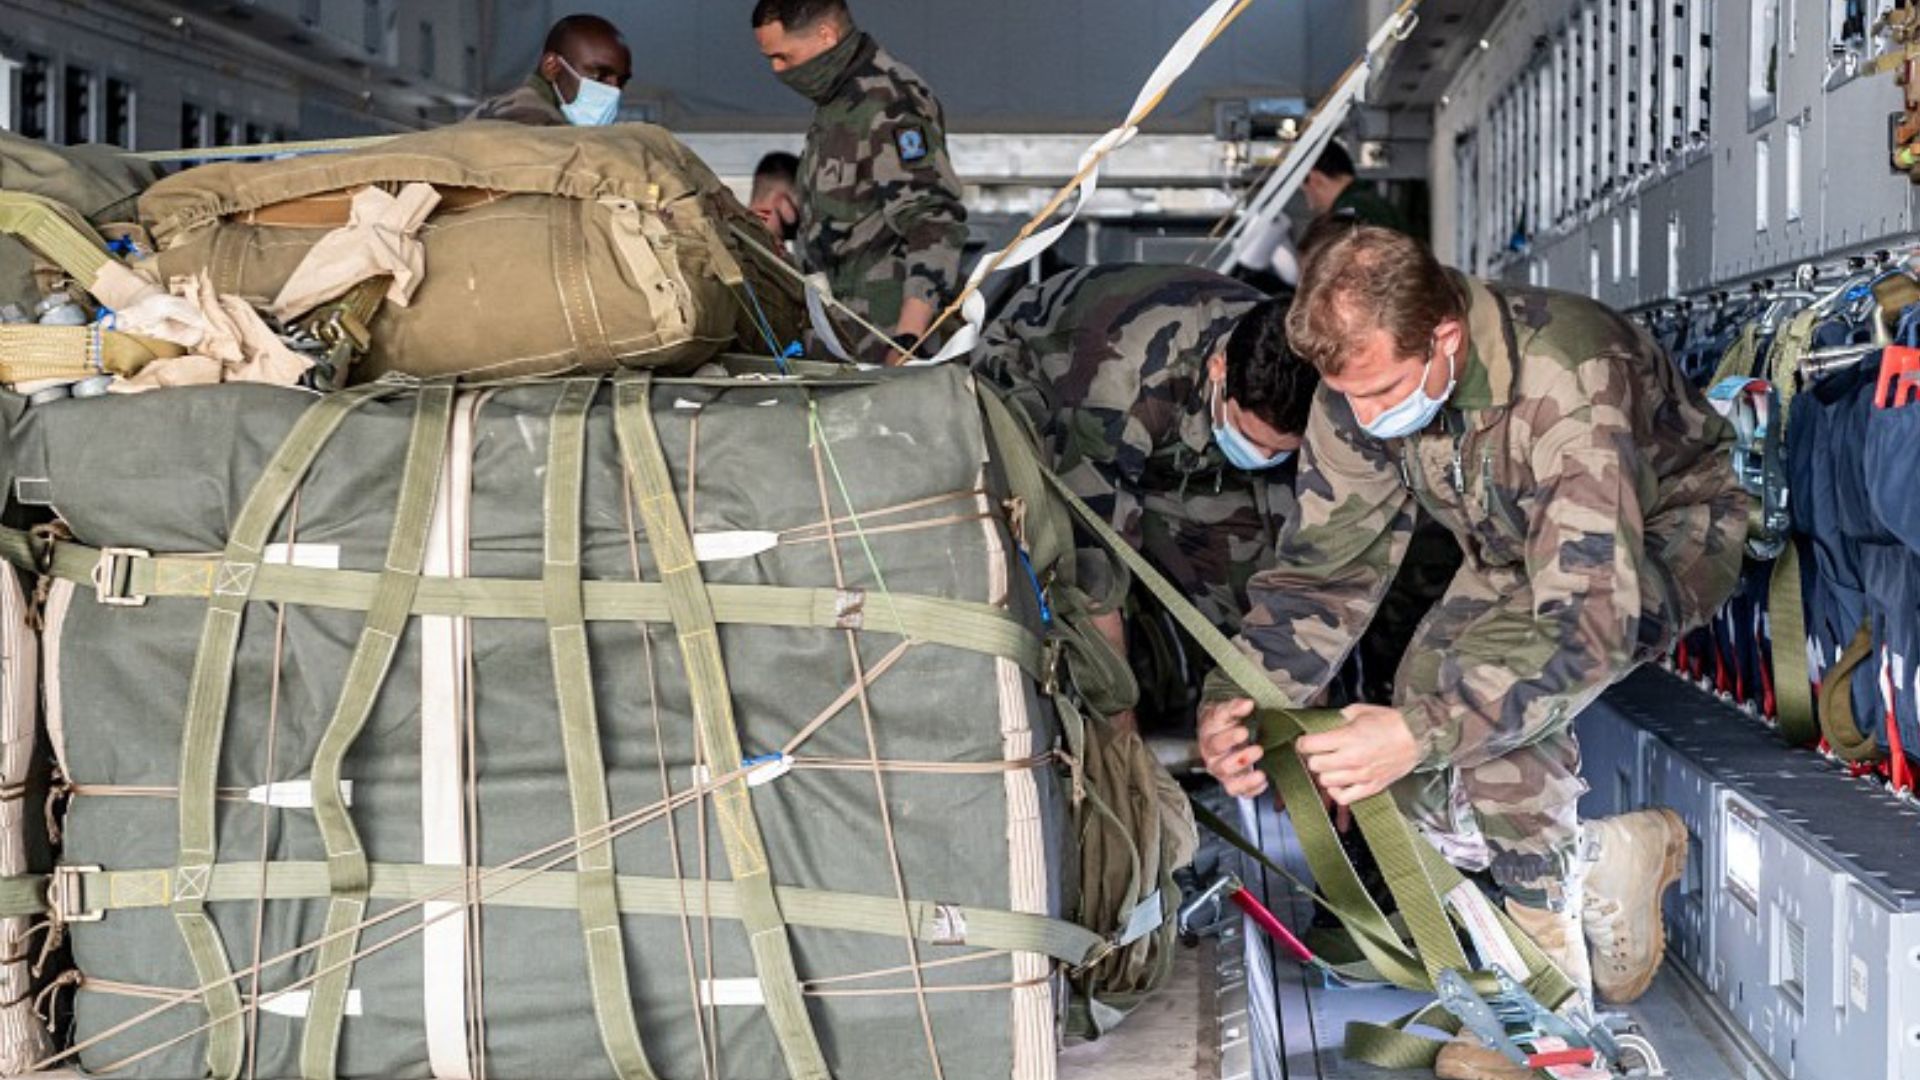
(1558, 935)
(1635, 858)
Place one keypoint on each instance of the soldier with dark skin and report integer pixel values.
(583, 67)
(880, 206)
(1588, 486)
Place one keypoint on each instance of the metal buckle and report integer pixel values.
(65, 890)
(106, 577)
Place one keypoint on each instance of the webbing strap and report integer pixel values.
(347, 874)
(580, 735)
(56, 231)
(1793, 702)
(568, 231)
(207, 698)
(1386, 831)
(1844, 737)
(125, 577)
(29, 353)
(1416, 874)
(105, 892)
(698, 634)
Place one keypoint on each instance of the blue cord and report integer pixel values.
(1039, 594)
(766, 328)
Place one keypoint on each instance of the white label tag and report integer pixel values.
(731, 992)
(759, 770)
(719, 546)
(316, 556)
(949, 925)
(294, 1004)
(1490, 940)
(293, 794)
(1857, 982)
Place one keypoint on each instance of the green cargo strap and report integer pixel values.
(1387, 833)
(1844, 737)
(129, 578)
(347, 874)
(1048, 535)
(30, 353)
(699, 639)
(580, 734)
(1416, 874)
(1793, 704)
(55, 231)
(90, 893)
(207, 699)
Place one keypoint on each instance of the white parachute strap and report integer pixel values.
(1328, 117)
(1029, 245)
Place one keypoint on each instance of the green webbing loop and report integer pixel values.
(698, 636)
(207, 698)
(1787, 630)
(580, 735)
(348, 878)
(23, 896)
(1844, 737)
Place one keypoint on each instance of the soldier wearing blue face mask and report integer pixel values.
(583, 67)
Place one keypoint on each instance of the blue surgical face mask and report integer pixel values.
(1417, 410)
(1238, 449)
(595, 104)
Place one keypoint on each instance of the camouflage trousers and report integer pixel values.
(1517, 816)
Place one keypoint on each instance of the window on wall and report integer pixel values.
(226, 131)
(1794, 163)
(1678, 50)
(1763, 61)
(429, 51)
(1633, 243)
(1762, 184)
(1613, 90)
(1627, 88)
(470, 70)
(1700, 68)
(193, 126)
(80, 106)
(36, 97)
(1673, 256)
(117, 119)
(1593, 87)
(373, 30)
(1646, 101)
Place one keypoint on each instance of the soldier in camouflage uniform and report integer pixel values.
(1127, 371)
(579, 49)
(1589, 488)
(880, 207)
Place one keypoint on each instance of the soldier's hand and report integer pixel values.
(1363, 757)
(1227, 746)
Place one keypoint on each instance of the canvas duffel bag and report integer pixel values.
(591, 728)
(552, 250)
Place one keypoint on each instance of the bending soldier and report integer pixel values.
(1588, 486)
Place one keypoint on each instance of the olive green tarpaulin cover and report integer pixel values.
(464, 762)
(553, 249)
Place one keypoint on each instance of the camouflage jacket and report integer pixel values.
(533, 102)
(880, 205)
(1581, 476)
(1110, 363)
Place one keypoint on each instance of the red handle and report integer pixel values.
(1581, 1056)
(1267, 921)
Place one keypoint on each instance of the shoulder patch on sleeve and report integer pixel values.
(911, 141)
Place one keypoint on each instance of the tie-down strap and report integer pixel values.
(128, 577)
